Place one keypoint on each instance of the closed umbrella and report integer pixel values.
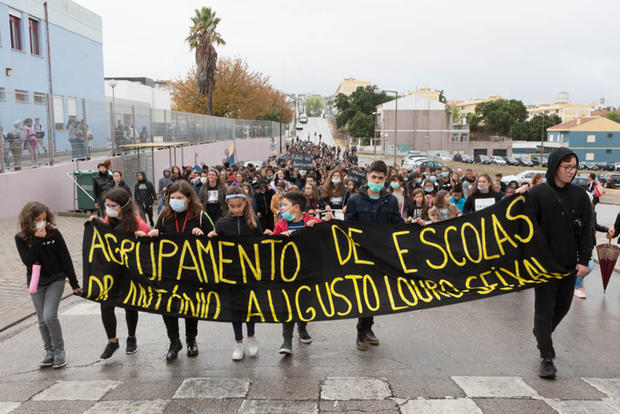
(607, 256)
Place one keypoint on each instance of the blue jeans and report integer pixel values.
(160, 206)
(238, 328)
(46, 302)
(579, 282)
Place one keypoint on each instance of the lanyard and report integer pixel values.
(177, 223)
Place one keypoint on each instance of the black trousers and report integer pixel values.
(365, 324)
(287, 328)
(552, 303)
(109, 320)
(147, 211)
(172, 328)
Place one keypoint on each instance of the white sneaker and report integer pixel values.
(252, 347)
(580, 293)
(238, 352)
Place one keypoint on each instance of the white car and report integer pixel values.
(496, 159)
(522, 178)
(299, 126)
(412, 162)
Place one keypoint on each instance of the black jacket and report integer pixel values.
(203, 222)
(122, 185)
(102, 182)
(361, 207)
(236, 226)
(52, 254)
(556, 209)
(144, 192)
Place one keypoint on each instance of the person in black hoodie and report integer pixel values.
(39, 242)
(102, 182)
(117, 176)
(145, 196)
(563, 212)
(263, 205)
(372, 204)
(183, 214)
(213, 196)
(240, 221)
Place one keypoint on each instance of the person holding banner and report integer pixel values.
(564, 215)
(183, 214)
(120, 215)
(417, 210)
(44, 252)
(294, 218)
(333, 191)
(372, 204)
(240, 221)
(481, 196)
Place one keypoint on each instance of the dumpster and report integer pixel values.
(84, 189)
(78, 149)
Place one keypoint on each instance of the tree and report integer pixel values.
(362, 125)
(614, 116)
(239, 93)
(499, 116)
(203, 36)
(363, 99)
(442, 97)
(314, 106)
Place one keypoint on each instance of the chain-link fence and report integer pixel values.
(37, 130)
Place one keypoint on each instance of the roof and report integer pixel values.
(587, 124)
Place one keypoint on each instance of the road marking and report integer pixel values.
(495, 387)
(278, 407)
(76, 390)
(580, 407)
(355, 388)
(132, 407)
(7, 407)
(213, 388)
(609, 386)
(456, 406)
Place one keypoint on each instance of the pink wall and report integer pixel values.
(52, 186)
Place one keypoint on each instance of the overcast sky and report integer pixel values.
(527, 50)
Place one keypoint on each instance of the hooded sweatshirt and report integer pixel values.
(144, 192)
(553, 218)
(164, 182)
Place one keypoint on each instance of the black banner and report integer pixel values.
(302, 161)
(331, 271)
(357, 176)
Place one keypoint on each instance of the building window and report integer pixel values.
(550, 137)
(610, 135)
(21, 96)
(589, 156)
(455, 138)
(591, 138)
(39, 98)
(59, 112)
(16, 37)
(608, 151)
(34, 36)
(464, 138)
(2, 94)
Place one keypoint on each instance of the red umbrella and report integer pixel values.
(607, 255)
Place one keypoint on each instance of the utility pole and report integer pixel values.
(51, 124)
(542, 138)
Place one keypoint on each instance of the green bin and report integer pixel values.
(85, 180)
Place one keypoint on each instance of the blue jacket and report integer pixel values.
(460, 203)
(361, 207)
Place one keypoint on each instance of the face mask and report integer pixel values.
(110, 212)
(428, 190)
(288, 216)
(445, 174)
(336, 180)
(269, 177)
(483, 188)
(394, 185)
(432, 178)
(418, 180)
(177, 205)
(375, 187)
(40, 225)
(374, 197)
(302, 172)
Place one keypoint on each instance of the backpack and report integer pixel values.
(599, 190)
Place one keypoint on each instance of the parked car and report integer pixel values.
(414, 153)
(299, 126)
(413, 162)
(590, 166)
(525, 162)
(522, 178)
(511, 161)
(496, 159)
(257, 164)
(581, 180)
(433, 165)
(482, 159)
(457, 157)
(617, 165)
(609, 180)
(607, 166)
(467, 159)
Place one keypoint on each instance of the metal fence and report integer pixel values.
(39, 130)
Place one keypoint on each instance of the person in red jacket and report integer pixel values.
(294, 218)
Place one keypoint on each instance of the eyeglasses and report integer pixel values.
(569, 168)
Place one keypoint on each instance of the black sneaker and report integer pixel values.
(372, 339)
(547, 369)
(362, 342)
(109, 350)
(192, 348)
(304, 336)
(132, 345)
(173, 350)
(287, 347)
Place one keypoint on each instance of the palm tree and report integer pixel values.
(202, 37)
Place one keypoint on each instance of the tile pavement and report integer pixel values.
(337, 394)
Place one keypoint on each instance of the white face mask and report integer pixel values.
(110, 212)
(203, 180)
(40, 225)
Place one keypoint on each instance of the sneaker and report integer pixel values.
(252, 347)
(547, 369)
(304, 336)
(47, 360)
(60, 358)
(192, 348)
(238, 352)
(287, 347)
(132, 345)
(580, 293)
(372, 339)
(110, 349)
(362, 342)
(173, 350)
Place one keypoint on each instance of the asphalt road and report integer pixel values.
(318, 126)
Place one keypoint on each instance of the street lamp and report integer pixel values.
(395, 123)
(113, 84)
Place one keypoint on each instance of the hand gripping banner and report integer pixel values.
(334, 270)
